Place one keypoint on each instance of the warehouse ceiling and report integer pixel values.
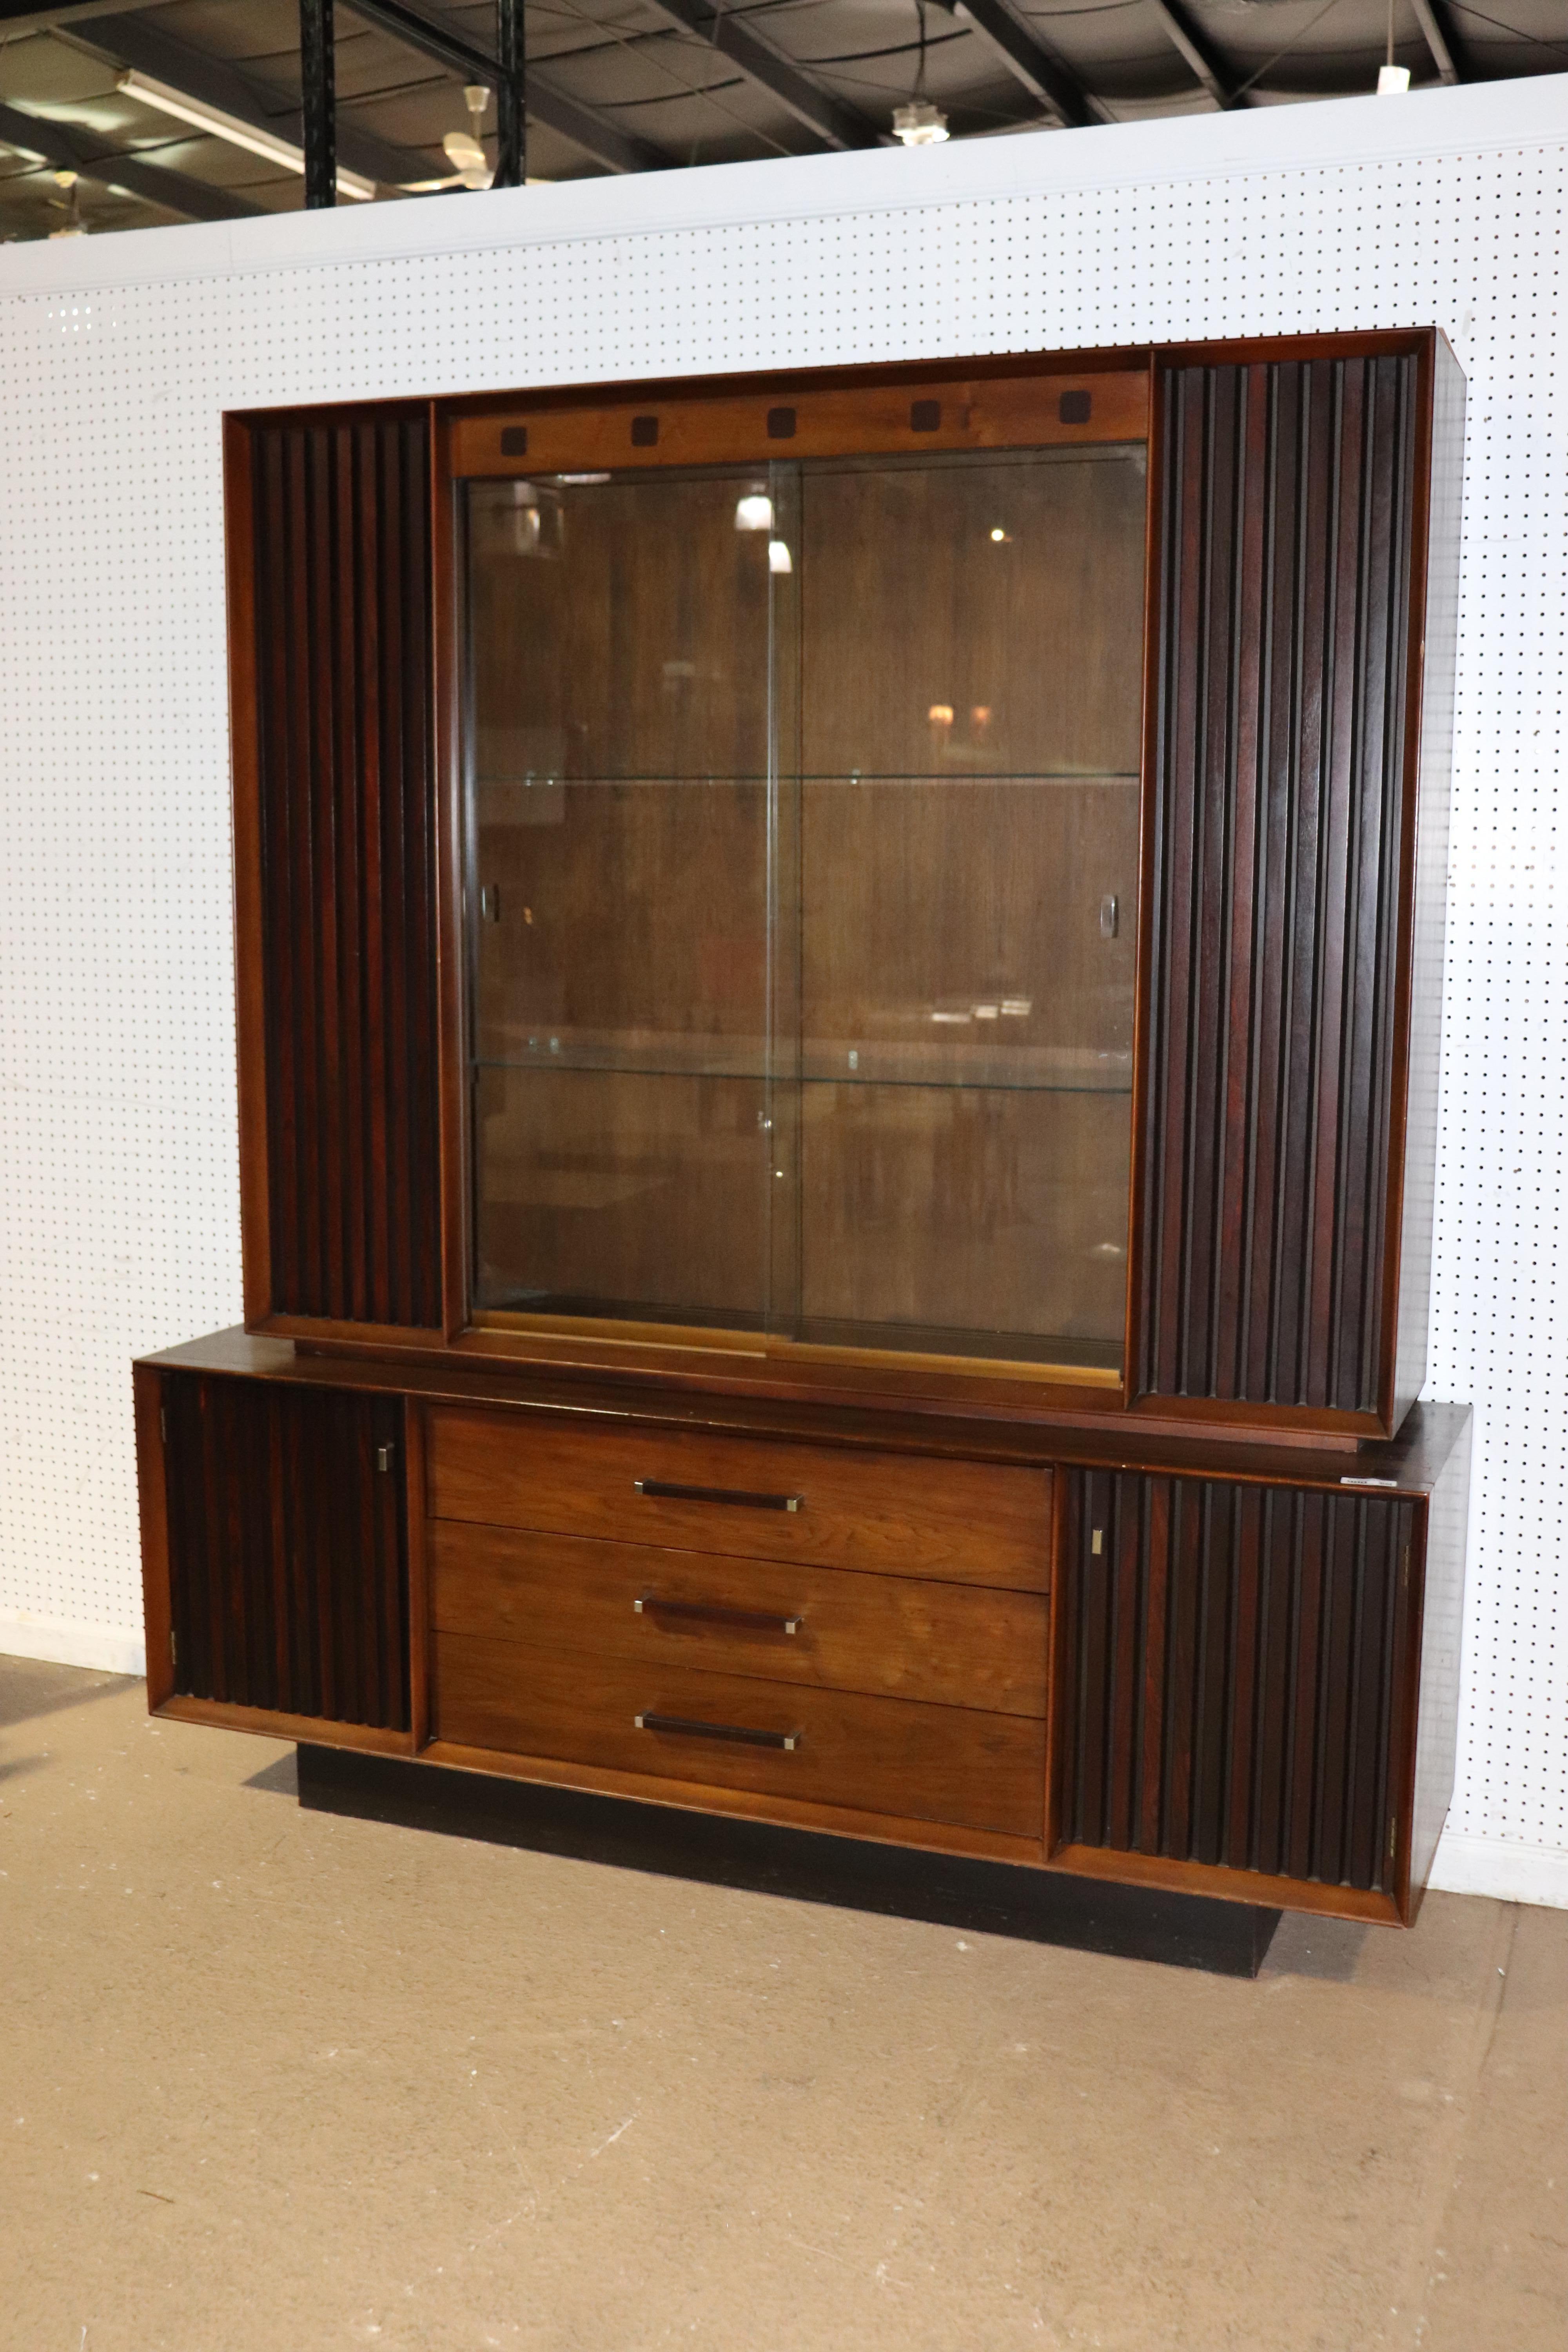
(651, 85)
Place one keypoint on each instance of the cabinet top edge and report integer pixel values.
(1408, 1465)
(1095, 359)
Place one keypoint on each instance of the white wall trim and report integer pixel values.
(112, 1649)
(1510, 1872)
(1457, 120)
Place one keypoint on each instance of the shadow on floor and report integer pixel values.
(1306, 1947)
(31, 1687)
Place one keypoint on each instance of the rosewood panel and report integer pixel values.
(335, 800)
(287, 1579)
(891, 1756)
(890, 1514)
(1233, 1671)
(889, 1636)
(1270, 1028)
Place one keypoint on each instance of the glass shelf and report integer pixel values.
(1041, 1070)
(803, 817)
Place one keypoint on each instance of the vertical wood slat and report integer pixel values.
(1272, 910)
(345, 759)
(287, 1560)
(1233, 1656)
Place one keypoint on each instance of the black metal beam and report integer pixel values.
(1185, 33)
(617, 150)
(66, 149)
(835, 124)
(512, 96)
(1043, 76)
(147, 48)
(1436, 24)
(318, 84)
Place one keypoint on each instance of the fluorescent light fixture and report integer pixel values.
(1393, 81)
(219, 125)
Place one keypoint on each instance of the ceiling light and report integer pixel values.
(919, 123)
(1393, 81)
(219, 125)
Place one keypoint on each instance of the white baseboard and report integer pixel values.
(113, 1649)
(1498, 1866)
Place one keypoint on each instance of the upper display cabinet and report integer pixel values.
(907, 881)
(802, 894)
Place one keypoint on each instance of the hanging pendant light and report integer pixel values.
(919, 123)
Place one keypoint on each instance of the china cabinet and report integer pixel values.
(839, 980)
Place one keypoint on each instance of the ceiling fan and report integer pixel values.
(464, 151)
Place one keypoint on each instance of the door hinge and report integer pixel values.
(1097, 1541)
(1405, 1569)
(383, 1455)
(1393, 1834)
(173, 1648)
(164, 1422)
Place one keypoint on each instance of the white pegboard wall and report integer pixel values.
(118, 1189)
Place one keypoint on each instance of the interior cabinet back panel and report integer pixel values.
(345, 787)
(287, 1567)
(1234, 1665)
(1268, 1040)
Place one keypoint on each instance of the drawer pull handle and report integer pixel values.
(739, 1732)
(708, 1612)
(664, 1489)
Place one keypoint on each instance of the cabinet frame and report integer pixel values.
(462, 433)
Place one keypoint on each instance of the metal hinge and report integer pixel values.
(383, 1457)
(1392, 1833)
(173, 1647)
(1097, 1540)
(1405, 1569)
(163, 1423)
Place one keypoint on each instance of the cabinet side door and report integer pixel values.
(1233, 1686)
(1273, 881)
(329, 533)
(286, 1542)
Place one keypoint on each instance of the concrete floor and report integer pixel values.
(276, 2082)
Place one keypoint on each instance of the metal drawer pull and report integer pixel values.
(673, 1494)
(739, 1732)
(706, 1612)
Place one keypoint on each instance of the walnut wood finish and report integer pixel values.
(1272, 890)
(887, 1636)
(337, 943)
(879, 1755)
(287, 1575)
(1234, 1678)
(784, 418)
(890, 1515)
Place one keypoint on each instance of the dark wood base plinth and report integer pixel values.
(995, 1898)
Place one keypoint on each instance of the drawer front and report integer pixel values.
(886, 1635)
(876, 1755)
(886, 1513)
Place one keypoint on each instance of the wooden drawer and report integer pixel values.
(888, 1513)
(875, 1755)
(886, 1635)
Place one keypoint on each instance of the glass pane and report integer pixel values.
(618, 847)
(970, 679)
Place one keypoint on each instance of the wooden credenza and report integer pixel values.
(840, 1004)
(1212, 1670)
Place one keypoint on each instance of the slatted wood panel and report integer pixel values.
(1234, 1674)
(345, 786)
(1287, 506)
(286, 1567)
